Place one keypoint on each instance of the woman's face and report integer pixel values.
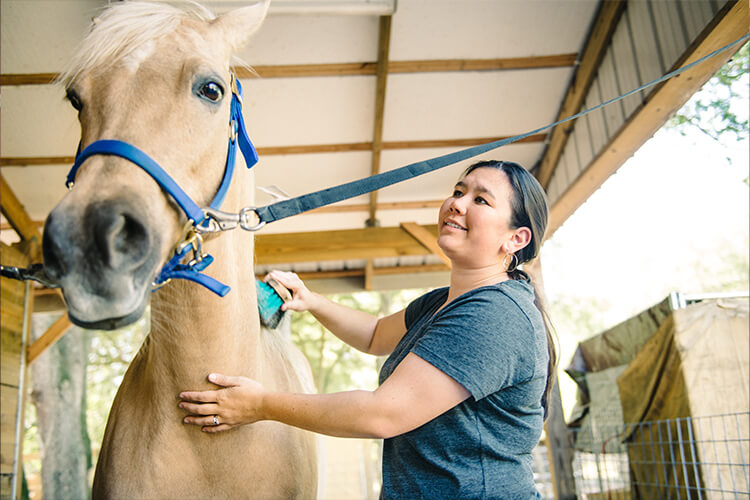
(474, 222)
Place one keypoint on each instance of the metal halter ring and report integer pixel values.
(245, 219)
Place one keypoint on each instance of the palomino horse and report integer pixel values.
(158, 78)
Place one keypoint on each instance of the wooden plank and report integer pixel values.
(368, 275)
(351, 244)
(354, 69)
(596, 46)
(377, 271)
(48, 338)
(28, 161)
(384, 44)
(16, 213)
(426, 238)
(731, 23)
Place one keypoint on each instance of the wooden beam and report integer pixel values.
(354, 69)
(347, 244)
(369, 268)
(377, 271)
(596, 47)
(731, 23)
(384, 44)
(16, 215)
(28, 161)
(52, 335)
(426, 238)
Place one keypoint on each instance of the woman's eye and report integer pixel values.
(75, 101)
(211, 91)
(457, 193)
(480, 200)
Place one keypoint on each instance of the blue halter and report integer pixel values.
(174, 268)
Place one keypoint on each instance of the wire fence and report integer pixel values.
(684, 458)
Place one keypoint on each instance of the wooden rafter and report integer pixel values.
(346, 244)
(16, 214)
(425, 238)
(354, 69)
(28, 161)
(52, 335)
(384, 44)
(731, 23)
(603, 28)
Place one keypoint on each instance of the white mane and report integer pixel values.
(125, 27)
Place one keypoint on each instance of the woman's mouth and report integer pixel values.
(454, 225)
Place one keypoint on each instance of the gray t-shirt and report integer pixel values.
(492, 341)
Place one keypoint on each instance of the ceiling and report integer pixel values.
(349, 88)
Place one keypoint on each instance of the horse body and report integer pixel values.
(160, 81)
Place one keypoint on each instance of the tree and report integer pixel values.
(59, 397)
(713, 110)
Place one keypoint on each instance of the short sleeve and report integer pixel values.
(484, 341)
(416, 307)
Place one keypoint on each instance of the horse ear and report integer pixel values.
(240, 23)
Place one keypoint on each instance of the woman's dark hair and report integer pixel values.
(529, 208)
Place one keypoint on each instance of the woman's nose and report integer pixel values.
(457, 205)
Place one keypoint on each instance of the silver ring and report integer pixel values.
(216, 420)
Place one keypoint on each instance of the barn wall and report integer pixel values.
(12, 298)
(648, 41)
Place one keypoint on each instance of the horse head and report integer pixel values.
(156, 77)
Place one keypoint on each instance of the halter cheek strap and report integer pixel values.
(191, 239)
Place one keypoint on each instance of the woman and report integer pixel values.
(462, 396)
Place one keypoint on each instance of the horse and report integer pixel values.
(157, 76)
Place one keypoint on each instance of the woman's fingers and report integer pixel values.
(199, 396)
(199, 409)
(224, 380)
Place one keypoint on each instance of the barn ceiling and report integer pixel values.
(346, 88)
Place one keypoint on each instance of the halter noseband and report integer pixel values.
(199, 220)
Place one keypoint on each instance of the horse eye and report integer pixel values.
(75, 101)
(211, 91)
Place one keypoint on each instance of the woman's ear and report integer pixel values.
(518, 240)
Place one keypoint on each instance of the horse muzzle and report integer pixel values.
(104, 255)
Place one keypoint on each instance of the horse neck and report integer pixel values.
(195, 332)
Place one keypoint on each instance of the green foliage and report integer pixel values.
(713, 110)
(335, 365)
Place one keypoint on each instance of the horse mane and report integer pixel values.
(125, 27)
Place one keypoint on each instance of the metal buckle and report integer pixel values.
(235, 90)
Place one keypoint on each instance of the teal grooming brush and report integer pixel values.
(271, 296)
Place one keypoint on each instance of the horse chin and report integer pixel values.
(110, 323)
(95, 312)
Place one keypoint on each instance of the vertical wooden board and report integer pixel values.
(626, 67)
(9, 401)
(696, 15)
(647, 57)
(582, 138)
(6, 480)
(597, 124)
(669, 30)
(613, 113)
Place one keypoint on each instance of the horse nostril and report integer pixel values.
(54, 264)
(122, 240)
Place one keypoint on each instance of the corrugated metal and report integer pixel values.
(649, 40)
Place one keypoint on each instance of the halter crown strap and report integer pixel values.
(173, 268)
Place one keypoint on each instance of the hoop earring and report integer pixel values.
(512, 264)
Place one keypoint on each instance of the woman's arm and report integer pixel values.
(360, 330)
(415, 393)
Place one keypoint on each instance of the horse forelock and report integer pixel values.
(126, 30)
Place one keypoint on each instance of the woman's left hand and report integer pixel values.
(238, 402)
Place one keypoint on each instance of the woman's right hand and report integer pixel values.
(302, 297)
